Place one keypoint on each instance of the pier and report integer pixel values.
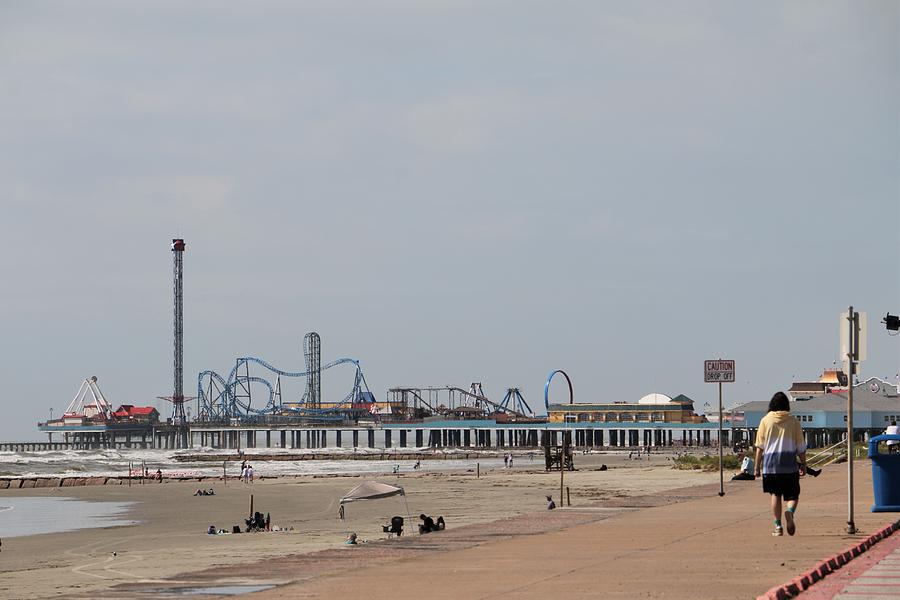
(452, 434)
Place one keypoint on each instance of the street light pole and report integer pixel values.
(852, 319)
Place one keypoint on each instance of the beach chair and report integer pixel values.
(395, 528)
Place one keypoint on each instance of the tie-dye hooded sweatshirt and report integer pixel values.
(781, 440)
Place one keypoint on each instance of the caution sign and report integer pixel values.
(718, 371)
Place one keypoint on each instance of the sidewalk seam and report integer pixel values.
(803, 582)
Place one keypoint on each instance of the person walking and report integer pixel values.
(779, 447)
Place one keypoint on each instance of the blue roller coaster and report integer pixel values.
(222, 399)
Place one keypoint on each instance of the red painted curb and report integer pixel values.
(805, 580)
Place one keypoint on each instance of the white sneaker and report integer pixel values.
(789, 522)
(778, 531)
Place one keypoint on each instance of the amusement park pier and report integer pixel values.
(253, 405)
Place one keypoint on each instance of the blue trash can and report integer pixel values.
(885, 475)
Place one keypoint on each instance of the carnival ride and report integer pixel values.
(452, 401)
(225, 398)
(100, 408)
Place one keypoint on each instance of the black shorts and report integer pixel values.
(786, 485)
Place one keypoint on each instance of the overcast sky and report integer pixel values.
(447, 191)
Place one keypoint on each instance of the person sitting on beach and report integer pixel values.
(211, 530)
(396, 468)
(211, 492)
(199, 493)
(550, 503)
(746, 472)
(159, 474)
(427, 525)
(351, 539)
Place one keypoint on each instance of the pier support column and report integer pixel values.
(467, 438)
(283, 436)
(419, 438)
(403, 438)
(337, 437)
(356, 438)
(371, 437)
(387, 438)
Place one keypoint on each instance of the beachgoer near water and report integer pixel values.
(510, 461)
(250, 473)
(550, 503)
(351, 539)
(506, 461)
(159, 474)
(779, 445)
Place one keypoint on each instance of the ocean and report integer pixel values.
(109, 463)
(31, 515)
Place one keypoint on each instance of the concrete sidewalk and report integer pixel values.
(702, 547)
(879, 581)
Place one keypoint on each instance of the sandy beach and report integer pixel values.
(170, 535)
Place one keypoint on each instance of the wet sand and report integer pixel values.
(170, 538)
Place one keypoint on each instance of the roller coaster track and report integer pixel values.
(457, 398)
(223, 398)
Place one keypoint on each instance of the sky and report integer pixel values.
(449, 192)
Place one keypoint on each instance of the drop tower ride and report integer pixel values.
(178, 418)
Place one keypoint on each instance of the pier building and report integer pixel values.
(652, 408)
(823, 415)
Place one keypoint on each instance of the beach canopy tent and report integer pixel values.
(373, 490)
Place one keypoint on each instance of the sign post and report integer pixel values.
(719, 371)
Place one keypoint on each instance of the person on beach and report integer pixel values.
(250, 473)
(892, 445)
(245, 475)
(506, 461)
(510, 461)
(550, 503)
(159, 474)
(779, 447)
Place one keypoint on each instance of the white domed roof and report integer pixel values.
(655, 398)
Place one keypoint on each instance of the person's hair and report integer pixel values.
(779, 402)
(421, 516)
